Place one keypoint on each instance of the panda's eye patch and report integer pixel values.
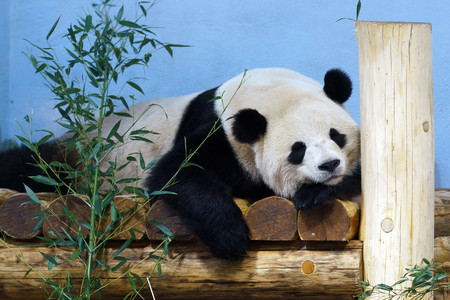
(338, 137)
(298, 150)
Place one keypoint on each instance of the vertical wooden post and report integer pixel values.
(397, 139)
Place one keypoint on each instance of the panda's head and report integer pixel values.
(287, 129)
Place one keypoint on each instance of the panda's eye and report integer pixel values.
(298, 150)
(338, 137)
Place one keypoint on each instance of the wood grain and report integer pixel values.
(336, 221)
(190, 272)
(397, 147)
(272, 219)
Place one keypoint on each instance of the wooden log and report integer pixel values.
(18, 215)
(5, 194)
(56, 218)
(442, 255)
(397, 147)
(336, 221)
(442, 213)
(167, 216)
(272, 219)
(269, 271)
(133, 212)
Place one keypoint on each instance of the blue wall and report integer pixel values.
(226, 37)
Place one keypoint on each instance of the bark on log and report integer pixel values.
(56, 218)
(133, 212)
(442, 213)
(167, 216)
(272, 219)
(5, 194)
(336, 221)
(442, 255)
(18, 219)
(269, 271)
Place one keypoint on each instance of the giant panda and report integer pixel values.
(277, 132)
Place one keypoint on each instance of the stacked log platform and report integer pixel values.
(311, 255)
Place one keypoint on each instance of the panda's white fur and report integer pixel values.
(161, 116)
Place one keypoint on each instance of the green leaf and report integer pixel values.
(44, 139)
(38, 225)
(129, 24)
(159, 270)
(157, 193)
(383, 286)
(358, 9)
(40, 68)
(28, 272)
(162, 227)
(103, 265)
(32, 195)
(140, 131)
(140, 138)
(114, 213)
(123, 247)
(75, 254)
(123, 260)
(25, 142)
(141, 161)
(50, 259)
(364, 283)
(52, 29)
(131, 281)
(88, 23)
(45, 180)
(144, 11)
(122, 114)
(135, 86)
(119, 14)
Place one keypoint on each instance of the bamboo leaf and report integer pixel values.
(358, 9)
(135, 86)
(44, 180)
(49, 258)
(162, 227)
(32, 195)
(40, 68)
(129, 24)
(52, 29)
(131, 281)
(75, 254)
(88, 23)
(123, 247)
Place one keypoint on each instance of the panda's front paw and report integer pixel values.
(230, 242)
(312, 196)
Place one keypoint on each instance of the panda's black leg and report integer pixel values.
(318, 194)
(206, 206)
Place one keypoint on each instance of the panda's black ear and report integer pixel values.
(249, 125)
(338, 85)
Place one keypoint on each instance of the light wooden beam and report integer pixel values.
(397, 138)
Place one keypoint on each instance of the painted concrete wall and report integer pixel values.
(226, 38)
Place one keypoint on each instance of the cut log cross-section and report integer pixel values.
(57, 217)
(272, 219)
(336, 221)
(165, 215)
(19, 215)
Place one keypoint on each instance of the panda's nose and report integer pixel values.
(330, 166)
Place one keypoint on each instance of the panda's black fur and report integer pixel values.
(204, 195)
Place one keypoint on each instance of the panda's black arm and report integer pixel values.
(18, 165)
(204, 203)
(318, 194)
